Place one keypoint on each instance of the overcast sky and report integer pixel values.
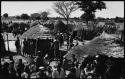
(114, 8)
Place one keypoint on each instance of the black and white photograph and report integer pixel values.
(62, 40)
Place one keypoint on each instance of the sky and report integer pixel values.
(114, 8)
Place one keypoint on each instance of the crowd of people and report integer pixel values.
(93, 67)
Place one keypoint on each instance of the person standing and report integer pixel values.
(78, 71)
(2, 46)
(60, 37)
(18, 46)
(56, 48)
(31, 48)
(25, 43)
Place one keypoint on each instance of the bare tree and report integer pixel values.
(65, 8)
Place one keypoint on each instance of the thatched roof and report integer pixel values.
(99, 45)
(38, 31)
(34, 23)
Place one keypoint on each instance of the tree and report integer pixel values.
(65, 8)
(100, 19)
(44, 15)
(4, 27)
(14, 27)
(35, 16)
(59, 26)
(25, 16)
(90, 7)
(87, 16)
(119, 19)
(17, 17)
(5, 15)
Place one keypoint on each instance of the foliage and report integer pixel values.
(87, 16)
(4, 27)
(44, 15)
(100, 19)
(65, 8)
(69, 27)
(5, 15)
(90, 7)
(15, 28)
(25, 16)
(119, 19)
(59, 26)
(35, 16)
(18, 17)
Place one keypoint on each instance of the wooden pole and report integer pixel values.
(7, 42)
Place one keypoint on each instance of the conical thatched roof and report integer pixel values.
(38, 31)
(98, 45)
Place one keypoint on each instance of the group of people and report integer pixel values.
(11, 69)
(39, 68)
(92, 67)
(30, 47)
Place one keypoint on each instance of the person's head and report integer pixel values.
(17, 38)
